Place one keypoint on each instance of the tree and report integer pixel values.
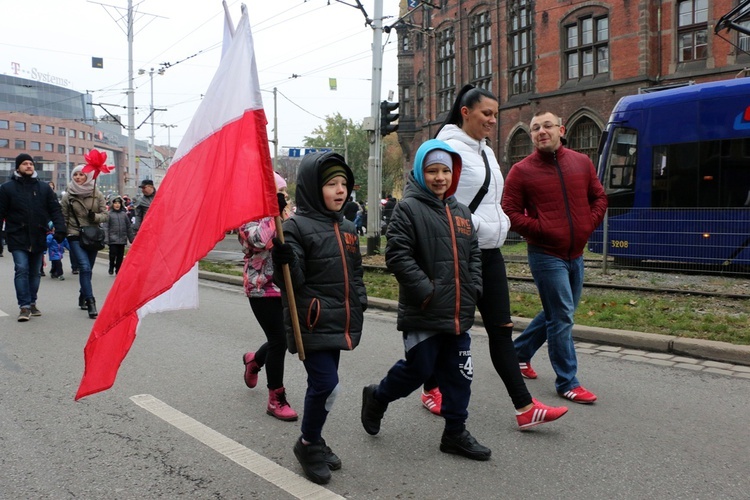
(393, 166)
(347, 139)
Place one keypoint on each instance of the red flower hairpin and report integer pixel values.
(95, 163)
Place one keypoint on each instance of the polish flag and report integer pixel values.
(221, 177)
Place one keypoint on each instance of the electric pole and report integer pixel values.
(374, 162)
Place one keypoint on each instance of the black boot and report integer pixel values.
(91, 306)
(312, 459)
(81, 302)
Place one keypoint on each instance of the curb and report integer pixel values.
(697, 348)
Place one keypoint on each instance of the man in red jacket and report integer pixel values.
(554, 199)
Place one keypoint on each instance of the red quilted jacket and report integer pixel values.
(555, 201)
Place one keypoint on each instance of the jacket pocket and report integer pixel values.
(313, 314)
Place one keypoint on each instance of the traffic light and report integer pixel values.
(386, 117)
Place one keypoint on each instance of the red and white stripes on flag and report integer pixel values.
(220, 178)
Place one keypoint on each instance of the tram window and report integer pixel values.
(621, 164)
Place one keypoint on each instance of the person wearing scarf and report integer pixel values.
(83, 205)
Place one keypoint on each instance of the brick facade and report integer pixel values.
(638, 42)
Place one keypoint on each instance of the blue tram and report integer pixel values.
(676, 168)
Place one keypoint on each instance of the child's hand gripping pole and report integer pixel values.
(290, 296)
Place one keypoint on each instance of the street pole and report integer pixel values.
(275, 133)
(374, 174)
(67, 160)
(131, 106)
(153, 156)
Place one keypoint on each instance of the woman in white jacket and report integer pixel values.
(472, 119)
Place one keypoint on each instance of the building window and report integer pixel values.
(72, 133)
(88, 136)
(587, 47)
(61, 131)
(405, 45)
(20, 144)
(49, 129)
(480, 51)
(81, 134)
(4, 143)
(35, 146)
(61, 148)
(743, 39)
(80, 151)
(692, 30)
(35, 127)
(71, 150)
(446, 66)
(520, 147)
(49, 147)
(404, 107)
(20, 127)
(4, 124)
(419, 40)
(420, 97)
(520, 44)
(584, 137)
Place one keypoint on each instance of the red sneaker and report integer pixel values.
(251, 369)
(526, 370)
(579, 395)
(432, 400)
(539, 414)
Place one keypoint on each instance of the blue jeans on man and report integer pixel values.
(27, 276)
(560, 283)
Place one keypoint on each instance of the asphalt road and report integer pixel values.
(180, 421)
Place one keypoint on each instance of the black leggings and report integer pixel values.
(116, 253)
(270, 315)
(494, 307)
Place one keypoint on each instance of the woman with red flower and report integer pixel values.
(84, 205)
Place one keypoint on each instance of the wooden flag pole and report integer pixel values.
(290, 296)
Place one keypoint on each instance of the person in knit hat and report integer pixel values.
(433, 252)
(119, 231)
(321, 250)
(27, 206)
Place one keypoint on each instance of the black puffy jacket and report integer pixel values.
(327, 273)
(433, 251)
(28, 205)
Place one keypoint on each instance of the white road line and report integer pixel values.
(3, 313)
(266, 469)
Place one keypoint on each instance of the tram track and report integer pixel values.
(613, 286)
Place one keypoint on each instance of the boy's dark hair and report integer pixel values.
(468, 96)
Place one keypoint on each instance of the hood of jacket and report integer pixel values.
(418, 171)
(309, 193)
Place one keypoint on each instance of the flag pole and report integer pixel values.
(290, 296)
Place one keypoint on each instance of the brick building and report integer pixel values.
(575, 58)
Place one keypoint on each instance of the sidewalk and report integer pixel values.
(723, 358)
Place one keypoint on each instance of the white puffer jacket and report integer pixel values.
(490, 222)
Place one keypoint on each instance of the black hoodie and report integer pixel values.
(327, 273)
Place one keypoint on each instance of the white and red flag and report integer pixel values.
(220, 178)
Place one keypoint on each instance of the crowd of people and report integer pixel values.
(444, 241)
(35, 222)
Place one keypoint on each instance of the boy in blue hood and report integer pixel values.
(434, 253)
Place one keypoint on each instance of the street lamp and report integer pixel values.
(151, 78)
(169, 138)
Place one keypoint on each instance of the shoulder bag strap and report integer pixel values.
(485, 187)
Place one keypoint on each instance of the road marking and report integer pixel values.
(266, 469)
(3, 313)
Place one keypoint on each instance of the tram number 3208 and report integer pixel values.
(619, 243)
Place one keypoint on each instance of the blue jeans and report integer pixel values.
(322, 369)
(27, 275)
(560, 283)
(85, 260)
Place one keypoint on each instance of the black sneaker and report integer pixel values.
(75, 271)
(332, 460)
(464, 444)
(312, 459)
(372, 410)
(34, 310)
(25, 314)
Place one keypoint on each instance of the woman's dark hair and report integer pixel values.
(468, 96)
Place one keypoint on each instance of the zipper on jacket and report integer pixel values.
(347, 306)
(456, 274)
(567, 204)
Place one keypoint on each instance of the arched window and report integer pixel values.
(520, 147)
(583, 136)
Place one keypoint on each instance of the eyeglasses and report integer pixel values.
(545, 126)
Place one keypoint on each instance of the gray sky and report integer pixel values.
(311, 39)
